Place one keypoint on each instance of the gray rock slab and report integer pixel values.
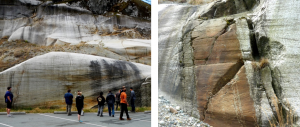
(47, 78)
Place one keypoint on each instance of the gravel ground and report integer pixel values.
(171, 115)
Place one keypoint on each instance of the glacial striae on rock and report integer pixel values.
(238, 67)
(59, 71)
(50, 46)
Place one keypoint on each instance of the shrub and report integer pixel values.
(263, 63)
(18, 52)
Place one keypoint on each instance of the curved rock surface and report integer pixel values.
(43, 80)
(47, 47)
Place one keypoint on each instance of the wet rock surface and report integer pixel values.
(170, 115)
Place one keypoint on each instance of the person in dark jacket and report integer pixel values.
(132, 99)
(79, 104)
(118, 99)
(101, 101)
(69, 101)
(8, 100)
(110, 99)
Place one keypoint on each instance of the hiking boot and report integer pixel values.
(121, 118)
(128, 118)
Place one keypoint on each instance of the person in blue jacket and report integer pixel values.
(69, 101)
(8, 100)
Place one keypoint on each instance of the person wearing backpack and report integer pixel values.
(79, 104)
(118, 99)
(101, 101)
(110, 99)
(8, 100)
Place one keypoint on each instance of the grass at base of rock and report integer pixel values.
(47, 110)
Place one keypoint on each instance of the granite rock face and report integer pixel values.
(238, 68)
(46, 78)
(47, 47)
(50, 23)
(60, 24)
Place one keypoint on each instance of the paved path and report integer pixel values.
(62, 120)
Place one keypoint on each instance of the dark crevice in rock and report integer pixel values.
(249, 4)
(227, 77)
(229, 7)
(255, 53)
(263, 45)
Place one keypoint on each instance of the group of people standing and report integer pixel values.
(120, 98)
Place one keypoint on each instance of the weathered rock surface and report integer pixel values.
(241, 69)
(232, 106)
(171, 59)
(91, 49)
(146, 92)
(48, 23)
(45, 79)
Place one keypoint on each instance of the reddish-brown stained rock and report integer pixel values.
(226, 48)
(209, 29)
(210, 79)
(202, 47)
(217, 62)
(232, 106)
(199, 62)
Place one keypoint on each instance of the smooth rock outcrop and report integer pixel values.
(63, 23)
(212, 54)
(43, 80)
